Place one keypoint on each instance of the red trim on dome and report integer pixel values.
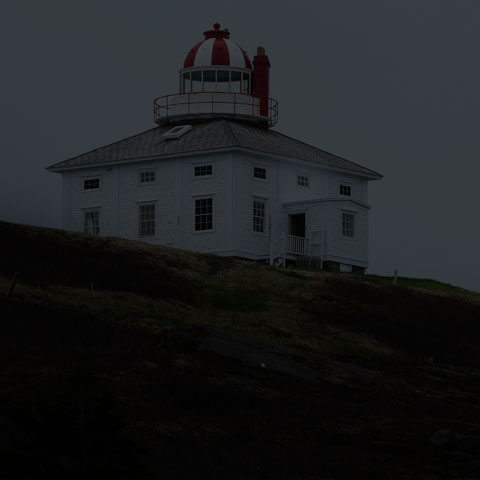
(248, 63)
(190, 58)
(220, 55)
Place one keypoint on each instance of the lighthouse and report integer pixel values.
(214, 175)
(218, 80)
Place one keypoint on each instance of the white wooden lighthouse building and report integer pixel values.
(213, 176)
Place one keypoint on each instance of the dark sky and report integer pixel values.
(391, 84)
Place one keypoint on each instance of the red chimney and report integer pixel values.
(261, 79)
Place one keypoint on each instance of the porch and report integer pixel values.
(307, 252)
(301, 244)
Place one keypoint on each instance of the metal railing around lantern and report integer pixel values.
(213, 103)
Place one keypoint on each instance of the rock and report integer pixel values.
(254, 352)
(466, 443)
(183, 339)
(429, 360)
(455, 442)
(441, 438)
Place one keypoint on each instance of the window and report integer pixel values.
(176, 132)
(223, 76)
(348, 224)
(259, 172)
(204, 214)
(246, 83)
(146, 217)
(303, 181)
(197, 85)
(186, 83)
(146, 177)
(91, 222)
(258, 216)
(235, 82)
(204, 171)
(346, 190)
(209, 81)
(91, 183)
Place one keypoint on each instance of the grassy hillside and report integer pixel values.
(148, 362)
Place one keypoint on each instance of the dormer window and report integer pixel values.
(177, 132)
(346, 190)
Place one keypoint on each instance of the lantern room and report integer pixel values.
(216, 64)
(217, 79)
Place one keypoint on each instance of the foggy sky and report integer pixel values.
(390, 84)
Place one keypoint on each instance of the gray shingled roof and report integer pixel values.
(209, 135)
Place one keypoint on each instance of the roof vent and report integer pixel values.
(177, 132)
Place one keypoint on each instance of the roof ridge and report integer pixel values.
(103, 146)
(235, 141)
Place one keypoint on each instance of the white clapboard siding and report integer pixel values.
(233, 188)
(249, 188)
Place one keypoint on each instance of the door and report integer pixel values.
(296, 224)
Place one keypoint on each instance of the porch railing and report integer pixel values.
(288, 244)
(297, 245)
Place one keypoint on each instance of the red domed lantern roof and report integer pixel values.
(217, 49)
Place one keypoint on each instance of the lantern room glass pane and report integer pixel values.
(209, 81)
(209, 76)
(186, 83)
(223, 79)
(197, 82)
(246, 83)
(223, 76)
(235, 84)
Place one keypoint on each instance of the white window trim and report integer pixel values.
(346, 184)
(92, 177)
(151, 202)
(303, 174)
(92, 209)
(145, 170)
(257, 179)
(355, 225)
(202, 197)
(265, 226)
(203, 164)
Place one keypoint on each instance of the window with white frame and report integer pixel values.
(203, 214)
(91, 183)
(258, 216)
(303, 181)
(260, 172)
(91, 222)
(146, 220)
(346, 190)
(348, 224)
(204, 170)
(146, 177)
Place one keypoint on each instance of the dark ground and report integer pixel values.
(128, 361)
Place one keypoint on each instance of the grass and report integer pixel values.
(427, 284)
(76, 360)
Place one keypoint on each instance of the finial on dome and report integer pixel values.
(217, 32)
